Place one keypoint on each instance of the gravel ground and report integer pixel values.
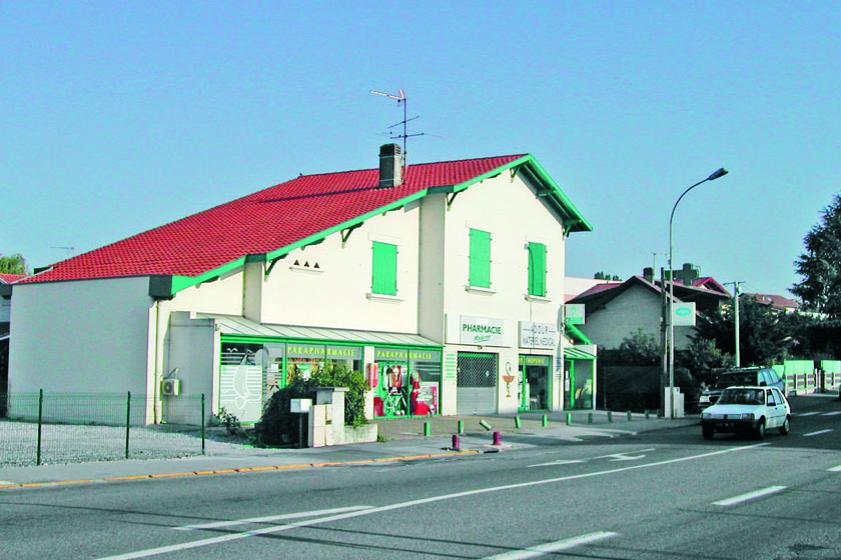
(63, 443)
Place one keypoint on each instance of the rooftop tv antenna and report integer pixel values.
(68, 249)
(401, 99)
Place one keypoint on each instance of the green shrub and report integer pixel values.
(279, 426)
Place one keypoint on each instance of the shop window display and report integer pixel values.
(408, 382)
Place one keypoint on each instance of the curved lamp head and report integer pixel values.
(721, 172)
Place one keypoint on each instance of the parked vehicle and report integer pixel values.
(761, 377)
(749, 410)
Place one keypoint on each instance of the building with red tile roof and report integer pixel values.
(446, 275)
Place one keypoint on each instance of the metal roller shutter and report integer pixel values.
(477, 378)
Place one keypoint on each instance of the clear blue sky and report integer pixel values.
(117, 117)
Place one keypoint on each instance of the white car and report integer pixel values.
(747, 410)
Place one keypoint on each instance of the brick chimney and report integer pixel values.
(648, 274)
(391, 166)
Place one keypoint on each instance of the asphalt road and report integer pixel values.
(660, 495)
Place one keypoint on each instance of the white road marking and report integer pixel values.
(835, 469)
(549, 548)
(559, 462)
(749, 496)
(613, 458)
(807, 413)
(625, 456)
(819, 432)
(412, 503)
(835, 413)
(268, 518)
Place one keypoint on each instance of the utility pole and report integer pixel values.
(736, 286)
(664, 362)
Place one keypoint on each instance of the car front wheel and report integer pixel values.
(759, 431)
(708, 432)
(786, 427)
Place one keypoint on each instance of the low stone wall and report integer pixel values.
(365, 433)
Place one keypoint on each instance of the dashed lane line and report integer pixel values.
(552, 547)
(835, 469)
(749, 496)
(819, 432)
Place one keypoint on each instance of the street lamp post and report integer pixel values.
(671, 361)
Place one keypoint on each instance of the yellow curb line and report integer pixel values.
(297, 466)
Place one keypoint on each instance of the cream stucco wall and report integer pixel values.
(511, 211)
(86, 336)
(338, 293)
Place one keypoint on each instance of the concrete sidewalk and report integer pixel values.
(404, 442)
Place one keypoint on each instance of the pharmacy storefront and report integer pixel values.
(403, 371)
(502, 365)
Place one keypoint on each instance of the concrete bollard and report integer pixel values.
(460, 427)
(517, 422)
(485, 425)
(545, 420)
(647, 414)
(610, 416)
(629, 416)
(456, 443)
(569, 418)
(497, 438)
(427, 429)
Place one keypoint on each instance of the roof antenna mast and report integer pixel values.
(401, 99)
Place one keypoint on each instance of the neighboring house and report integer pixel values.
(441, 286)
(5, 317)
(614, 313)
(779, 303)
(575, 286)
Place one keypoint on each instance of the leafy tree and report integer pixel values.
(639, 349)
(820, 264)
(765, 335)
(13, 264)
(702, 356)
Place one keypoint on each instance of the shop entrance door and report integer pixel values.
(392, 395)
(477, 382)
(534, 383)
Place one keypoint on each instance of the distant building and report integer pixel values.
(615, 311)
(780, 303)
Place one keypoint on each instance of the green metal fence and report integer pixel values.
(802, 377)
(45, 427)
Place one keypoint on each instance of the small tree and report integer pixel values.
(13, 264)
(639, 349)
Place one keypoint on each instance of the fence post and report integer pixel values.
(202, 424)
(128, 419)
(40, 417)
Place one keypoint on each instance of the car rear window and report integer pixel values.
(737, 378)
(742, 396)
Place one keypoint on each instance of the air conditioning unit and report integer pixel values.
(171, 387)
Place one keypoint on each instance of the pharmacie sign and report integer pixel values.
(537, 335)
(482, 331)
(683, 314)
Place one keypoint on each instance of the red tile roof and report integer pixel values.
(9, 278)
(261, 222)
(598, 288)
(775, 301)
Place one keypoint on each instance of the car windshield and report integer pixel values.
(737, 378)
(742, 396)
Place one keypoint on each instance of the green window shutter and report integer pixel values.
(384, 269)
(537, 269)
(480, 258)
